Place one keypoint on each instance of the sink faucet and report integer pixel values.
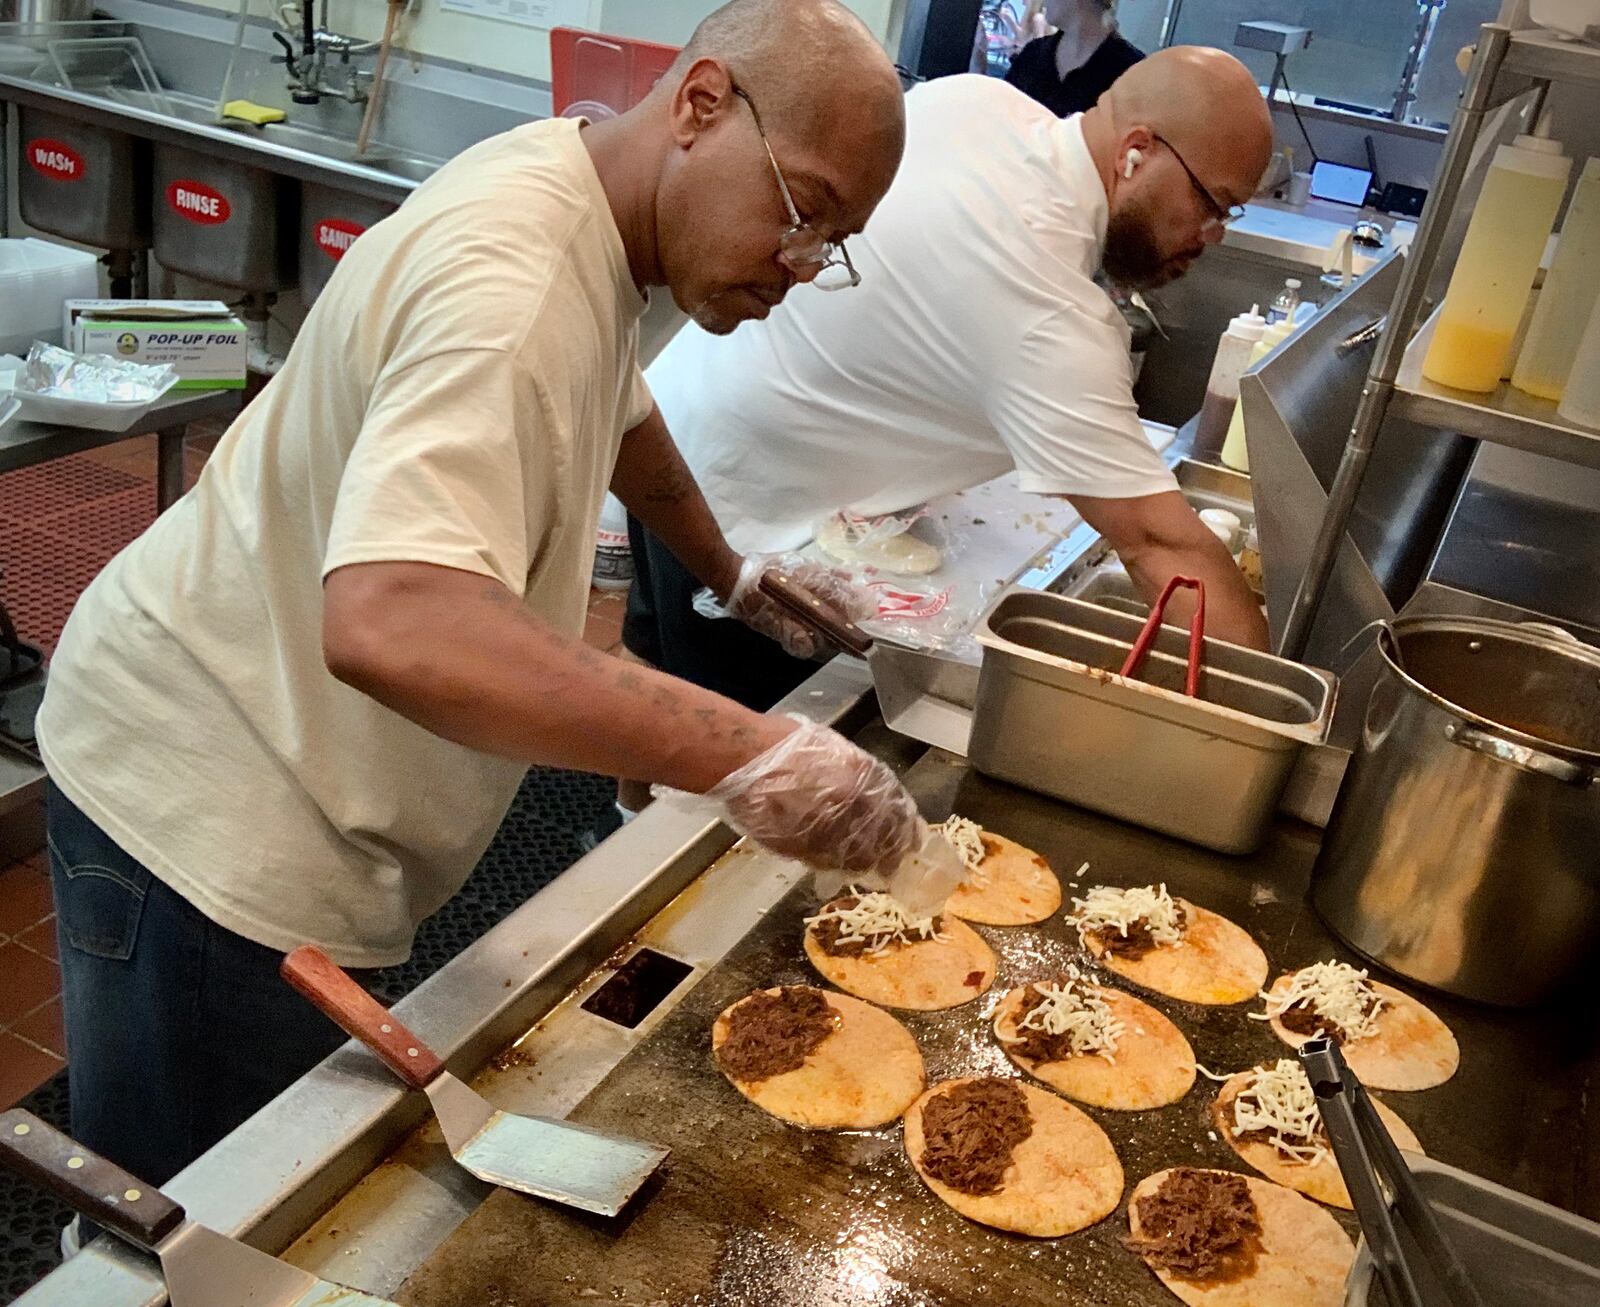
(308, 66)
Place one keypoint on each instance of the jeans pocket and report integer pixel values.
(98, 906)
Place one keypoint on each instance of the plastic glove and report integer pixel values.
(831, 585)
(817, 797)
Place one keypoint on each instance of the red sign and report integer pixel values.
(336, 235)
(198, 203)
(55, 159)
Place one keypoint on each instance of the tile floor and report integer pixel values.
(60, 523)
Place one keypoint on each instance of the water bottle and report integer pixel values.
(1285, 303)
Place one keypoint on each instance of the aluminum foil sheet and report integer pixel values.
(91, 378)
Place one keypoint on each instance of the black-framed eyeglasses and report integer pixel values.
(1222, 215)
(802, 246)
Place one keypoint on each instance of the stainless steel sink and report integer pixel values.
(428, 113)
(232, 202)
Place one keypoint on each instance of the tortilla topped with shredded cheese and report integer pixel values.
(1006, 885)
(1169, 945)
(868, 945)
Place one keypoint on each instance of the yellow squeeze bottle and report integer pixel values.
(1494, 275)
(1571, 288)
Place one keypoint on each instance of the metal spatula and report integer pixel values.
(567, 1163)
(202, 1268)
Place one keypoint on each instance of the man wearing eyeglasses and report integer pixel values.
(976, 341)
(298, 707)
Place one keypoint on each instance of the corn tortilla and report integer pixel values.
(1063, 1177)
(1016, 887)
(953, 968)
(865, 1074)
(1320, 1180)
(1153, 1063)
(1411, 1048)
(1304, 1258)
(1215, 962)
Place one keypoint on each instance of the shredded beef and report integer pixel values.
(969, 1133)
(1200, 1225)
(769, 1034)
(1137, 942)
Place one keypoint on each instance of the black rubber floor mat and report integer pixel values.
(540, 838)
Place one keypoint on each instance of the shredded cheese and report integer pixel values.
(1336, 992)
(1104, 907)
(966, 838)
(877, 920)
(1279, 1100)
(1074, 1008)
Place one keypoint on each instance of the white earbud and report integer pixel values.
(1135, 158)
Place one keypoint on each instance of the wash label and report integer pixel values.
(56, 160)
(198, 203)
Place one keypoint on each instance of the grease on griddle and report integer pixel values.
(769, 1034)
(969, 1132)
(1200, 1226)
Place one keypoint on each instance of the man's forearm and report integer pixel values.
(1232, 613)
(1159, 536)
(520, 689)
(657, 487)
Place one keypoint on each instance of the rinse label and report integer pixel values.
(198, 203)
(56, 160)
(336, 235)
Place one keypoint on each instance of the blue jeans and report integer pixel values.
(177, 1030)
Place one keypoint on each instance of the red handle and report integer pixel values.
(317, 977)
(1197, 634)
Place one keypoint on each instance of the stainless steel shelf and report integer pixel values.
(1504, 417)
(1543, 55)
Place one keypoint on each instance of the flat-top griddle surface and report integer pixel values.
(751, 1211)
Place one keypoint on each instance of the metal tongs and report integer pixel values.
(1382, 1187)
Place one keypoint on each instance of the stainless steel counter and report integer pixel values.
(337, 1172)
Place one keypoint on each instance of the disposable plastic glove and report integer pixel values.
(833, 586)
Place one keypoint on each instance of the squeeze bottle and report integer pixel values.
(1494, 275)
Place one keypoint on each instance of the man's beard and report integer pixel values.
(1131, 259)
(712, 316)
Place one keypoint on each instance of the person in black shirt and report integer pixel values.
(1068, 70)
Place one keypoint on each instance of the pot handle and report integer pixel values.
(1520, 756)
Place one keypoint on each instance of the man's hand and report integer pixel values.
(1160, 536)
(817, 797)
(761, 613)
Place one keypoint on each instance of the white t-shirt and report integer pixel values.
(976, 342)
(456, 397)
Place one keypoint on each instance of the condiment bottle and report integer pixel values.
(1581, 401)
(1234, 348)
(1571, 289)
(1493, 277)
(1235, 452)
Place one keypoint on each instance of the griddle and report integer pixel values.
(751, 1212)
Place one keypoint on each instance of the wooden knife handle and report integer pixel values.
(317, 977)
(102, 1191)
(807, 608)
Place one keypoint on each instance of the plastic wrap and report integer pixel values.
(819, 798)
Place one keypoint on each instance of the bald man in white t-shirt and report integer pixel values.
(977, 342)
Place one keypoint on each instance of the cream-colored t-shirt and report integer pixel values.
(456, 397)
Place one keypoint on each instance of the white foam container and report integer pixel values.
(36, 279)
